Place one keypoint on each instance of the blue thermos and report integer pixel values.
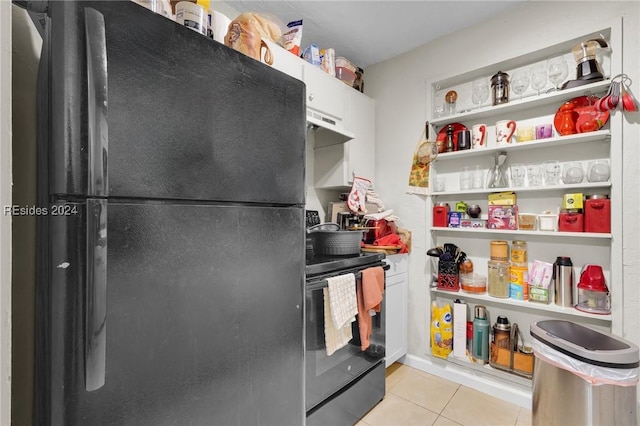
(480, 335)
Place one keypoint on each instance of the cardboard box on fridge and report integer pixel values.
(503, 217)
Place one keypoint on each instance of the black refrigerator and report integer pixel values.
(170, 265)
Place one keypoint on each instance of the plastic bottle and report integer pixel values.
(480, 335)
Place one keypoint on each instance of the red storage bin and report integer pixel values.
(570, 220)
(597, 214)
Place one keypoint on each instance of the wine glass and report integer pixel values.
(558, 70)
(479, 90)
(538, 77)
(520, 81)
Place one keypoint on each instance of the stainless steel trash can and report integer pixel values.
(582, 376)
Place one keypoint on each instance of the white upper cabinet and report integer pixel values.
(337, 164)
(285, 61)
(326, 103)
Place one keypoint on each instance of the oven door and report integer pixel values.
(327, 375)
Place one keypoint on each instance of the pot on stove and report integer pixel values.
(329, 239)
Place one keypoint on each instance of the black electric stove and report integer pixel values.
(324, 264)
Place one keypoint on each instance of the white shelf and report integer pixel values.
(556, 97)
(488, 369)
(600, 135)
(525, 304)
(546, 189)
(555, 234)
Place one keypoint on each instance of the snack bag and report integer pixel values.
(292, 37)
(441, 329)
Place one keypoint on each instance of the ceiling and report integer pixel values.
(367, 32)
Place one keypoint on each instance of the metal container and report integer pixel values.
(500, 88)
(334, 241)
(502, 332)
(570, 367)
(563, 281)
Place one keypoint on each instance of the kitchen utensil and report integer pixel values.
(593, 293)
(464, 140)
(442, 134)
(479, 136)
(435, 252)
(552, 172)
(572, 172)
(466, 178)
(563, 281)
(583, 113)
(544, 131)
(505, 130)
(479, 90)
(538, 76)
(327, 238)
(520, 81)
(518, 173)
(480, 335)
(598, 170)
(474, 211)
(497, 176)
(427, 150)
(525, 134)
(557, 69)
(534, 174)
(500, 88)
(588, 69)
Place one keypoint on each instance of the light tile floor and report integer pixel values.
(418, 398)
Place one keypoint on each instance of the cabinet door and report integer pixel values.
(325, 93)
(361, 152)
(396, 301)
(336, 165)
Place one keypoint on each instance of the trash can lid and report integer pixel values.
(586, 344)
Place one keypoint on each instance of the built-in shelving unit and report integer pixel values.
(604, 249)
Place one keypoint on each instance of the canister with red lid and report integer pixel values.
(441, 215)
(597, 214)
(571, 220)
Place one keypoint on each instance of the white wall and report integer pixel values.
(398, 85)
(5, 221)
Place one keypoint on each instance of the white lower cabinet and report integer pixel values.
(396, 302)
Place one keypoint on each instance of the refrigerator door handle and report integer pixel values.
(97, 185)
(96, 295)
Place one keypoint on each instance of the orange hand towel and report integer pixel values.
(369, 290)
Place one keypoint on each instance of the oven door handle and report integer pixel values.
(322, 283)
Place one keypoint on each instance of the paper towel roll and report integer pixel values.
(220, 24)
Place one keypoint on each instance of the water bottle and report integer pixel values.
(480, 335)
(563, 281)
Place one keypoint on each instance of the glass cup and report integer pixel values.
(438, 111)
(538, 77)
(524, 134)
(518, 173)
(598, 171)
(466, 178)
(477, 180)
(572, 172)
(439, 183)
(544, 131)
(552, 172)
(480, 90)
(534, 174)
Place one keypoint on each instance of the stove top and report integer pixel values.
(322, 264)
